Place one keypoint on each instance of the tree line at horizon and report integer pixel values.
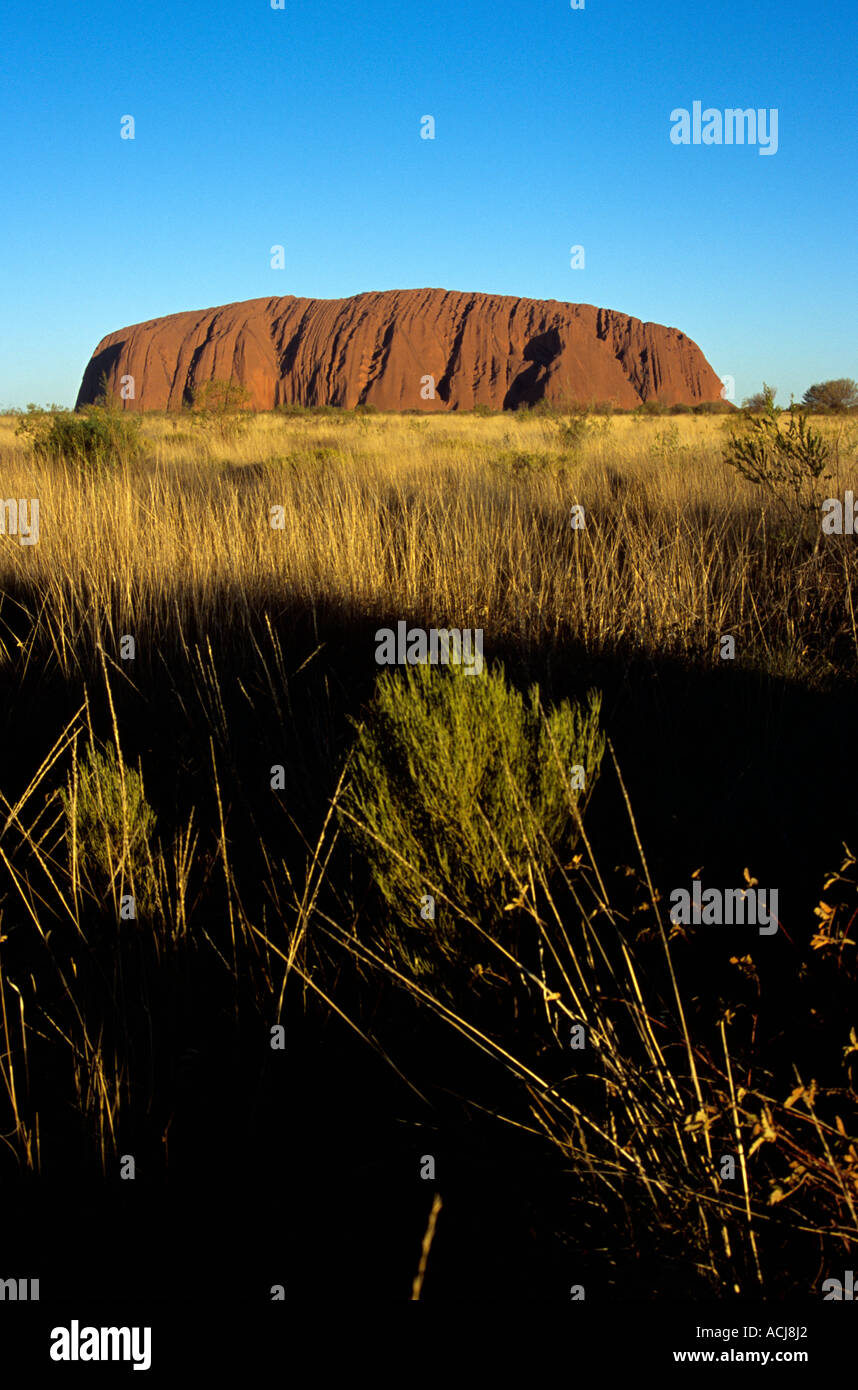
(216, 399)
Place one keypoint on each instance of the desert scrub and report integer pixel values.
(461, 788)
(519, 462)
(573, 432)
(222, 408)
(97, 438)
(788, 463)
(666, 447)
(99, 816)
(527, 463)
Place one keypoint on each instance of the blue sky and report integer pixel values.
(301, 126)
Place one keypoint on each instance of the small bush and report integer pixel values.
(542, 409)
(34, 409)
(761, 401)
(573, 432)
(98, 437)
(520, 462)
(787, 462)
(545, 409)
(96, 817)
(461, 783)
(667, 446)
(222, 407)
(297, 459)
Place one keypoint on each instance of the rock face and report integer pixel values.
(381, 348)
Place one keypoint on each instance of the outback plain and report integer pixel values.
(374, 972)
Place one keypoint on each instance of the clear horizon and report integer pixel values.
(257, 127)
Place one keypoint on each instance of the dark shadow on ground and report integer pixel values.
(303, 1168)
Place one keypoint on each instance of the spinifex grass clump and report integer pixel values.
(462, 790)
(108, 819)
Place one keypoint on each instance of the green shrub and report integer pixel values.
(296, 459)
(34, 409)
(98, 437)
(667, 446)
(520, 462)
(573, 432)
(538, 410)
(460, 786)
(222, 407)
(761, 402)
(95, 818)
(787, 462)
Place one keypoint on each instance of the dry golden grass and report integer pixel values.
(452, 519)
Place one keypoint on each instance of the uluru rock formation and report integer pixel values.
(382, 348)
